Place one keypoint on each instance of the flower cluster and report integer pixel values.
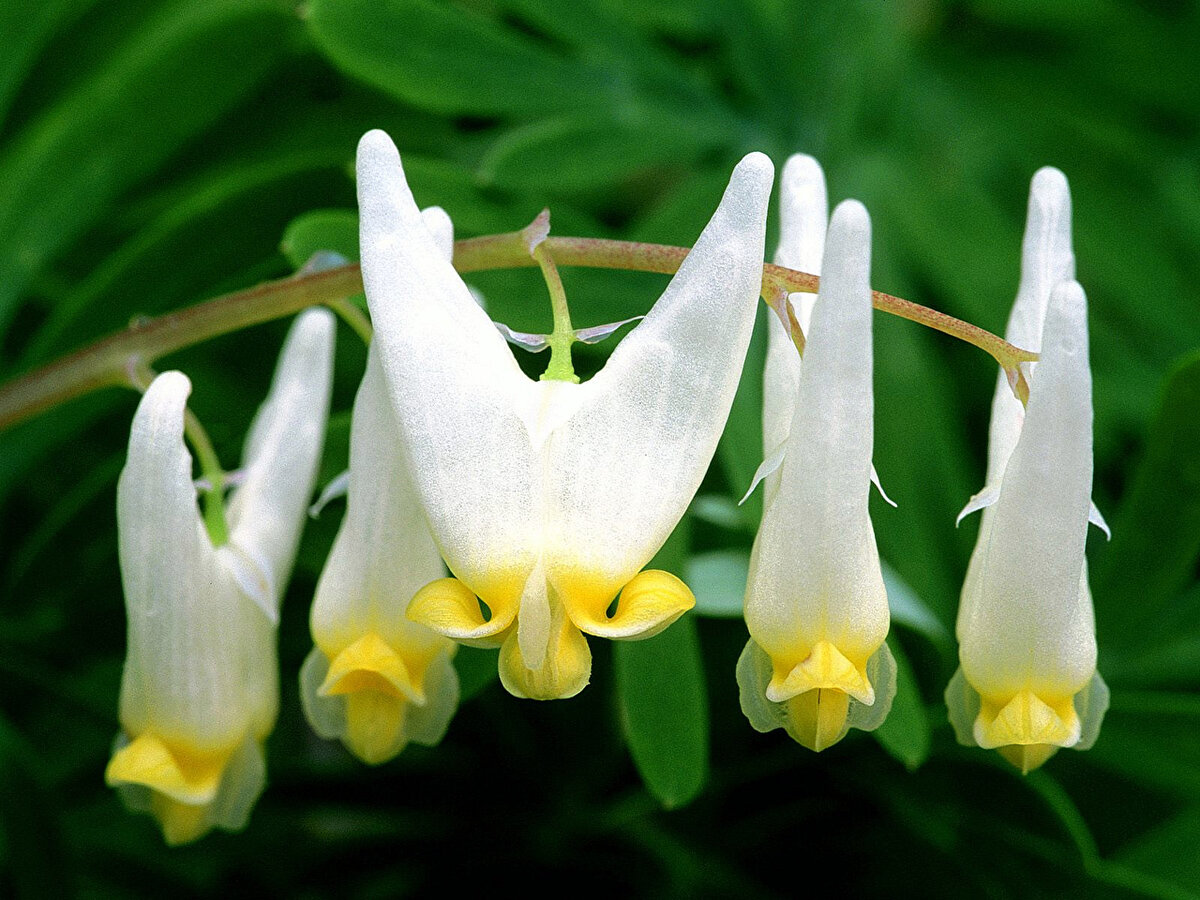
(546, 499)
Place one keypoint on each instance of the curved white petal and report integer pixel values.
(283, 448)
(803, 218)
(383, 553)
(453, 384)
(628, 460)
(1030, 622)
(183, 671)
(1046, 260)
(815, 572)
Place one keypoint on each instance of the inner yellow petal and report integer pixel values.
(817, 718)
(371, 665)
(825, 667)
(180, 773)
(375, 725)
(1027, 757)
(449, 607)
(563, 672)
(651, 601)
(181, 823)
(1026, 719)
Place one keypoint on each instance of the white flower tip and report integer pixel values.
(376, 147)
(851, 220)
(314, 330)
(754, 176)
(1049, 191)
(170, 389)
(802, 175)
(441, 229)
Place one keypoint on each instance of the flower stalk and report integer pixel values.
(111, 361)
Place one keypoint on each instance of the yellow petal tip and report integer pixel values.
(190, 777)
(371, 665)
(1026, 719)
(650, 602)
(817, 719)
(450, 608)
(825, 668)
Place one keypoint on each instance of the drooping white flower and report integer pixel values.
(200, 687)
(1028, 682)
(546, 498)
(816, 607)
(375, 680)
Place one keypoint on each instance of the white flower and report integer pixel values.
(200, 687)
(1028, 682)
(816, 607)
(375, 680)
(546, 498)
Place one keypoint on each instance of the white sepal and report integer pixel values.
(630, 457)
(283, 449)
(1028, 621)
(815, 570)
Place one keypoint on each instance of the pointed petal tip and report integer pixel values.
(801, 170)
(376, 143)
(437, 220)
(851, 217)
(169, 386)
(1049, 188)
(754, 174)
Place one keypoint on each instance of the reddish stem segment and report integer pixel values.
(114, 359)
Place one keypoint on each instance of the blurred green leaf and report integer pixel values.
(37, 863)
(166, 84)
(1156, 533)
(664, 710)
(662, 697)
(449, 60)
(908, 610)
(26, 28)
(1150, 737)
(334, 230)
(476, 670)
(1170, 852)
(718, 579)
(905, 732)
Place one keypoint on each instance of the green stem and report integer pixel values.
(210, 468)
(354, 317)
(563, 336)
(106, 362)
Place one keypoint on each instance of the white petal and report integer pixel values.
(815, 571)
(1096, 518)
(453, 384)
(267, 513)
(803, 218)
(182, 671)
(1031, 616)
(987, 496)
(383, 553)
(1046, 260)
(625, 465)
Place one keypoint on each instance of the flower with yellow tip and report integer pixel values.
(546, 498)
(1028, 683)
(816, 663)
(376, 680)
(200, 688)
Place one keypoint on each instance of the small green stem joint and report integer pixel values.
(563, 335)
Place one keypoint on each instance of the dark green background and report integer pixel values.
(153, 154)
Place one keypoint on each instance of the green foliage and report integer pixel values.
(157, 152)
